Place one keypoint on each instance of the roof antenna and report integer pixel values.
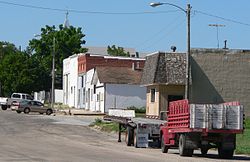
(217, 32)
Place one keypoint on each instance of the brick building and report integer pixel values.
(75, 87)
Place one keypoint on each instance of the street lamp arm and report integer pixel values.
(162, 3)
(188, 67)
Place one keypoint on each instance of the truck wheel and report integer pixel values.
(49, 112)
(18, 111)
(135, 141)
(182, 147)
(164, 148)
(204, 150)
(26, 110)
(4, 107)
(129, 136)
(225, 153)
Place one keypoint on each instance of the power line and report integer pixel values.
(222, 18)
(115, 13)
(157, 33)
(164, 36)
(85, 12)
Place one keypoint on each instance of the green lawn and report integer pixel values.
(243, 140)
(106, 126)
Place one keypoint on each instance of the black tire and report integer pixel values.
(164, 148)
(4, 107)
(182, 147)
(204, 150)
(18, 111)
(40, 113)
(135, 140)
(49, 112)
(129, 136)
(26, 110)
(225, 153)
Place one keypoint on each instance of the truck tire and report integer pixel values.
(164, 148)
(18, 111)
(204, 150)
(225, 153)
(135, 140)
(4, 107)
(129, 136)
(182, 147)
(49, 112)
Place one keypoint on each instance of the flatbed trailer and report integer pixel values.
(140, 132)
(205, 126)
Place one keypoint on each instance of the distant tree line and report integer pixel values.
(30, 70)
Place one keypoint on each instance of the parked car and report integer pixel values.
(32, 106)
(14, 98)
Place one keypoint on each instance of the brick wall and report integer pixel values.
(87, 62)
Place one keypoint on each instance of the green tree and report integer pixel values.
(117, 51)
(6, 48)
(20, 72)
(68, 41)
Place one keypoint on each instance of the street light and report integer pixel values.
(52, 72)
(187, 12)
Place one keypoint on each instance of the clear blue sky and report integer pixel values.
(144, 32)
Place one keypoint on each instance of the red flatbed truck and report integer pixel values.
(203, 126)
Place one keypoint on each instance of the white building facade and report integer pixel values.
(101, 95)
(70, 75)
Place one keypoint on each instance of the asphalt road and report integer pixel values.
(41, 138)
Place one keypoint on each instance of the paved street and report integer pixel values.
(40, 138)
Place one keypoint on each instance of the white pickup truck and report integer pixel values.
(15, 97)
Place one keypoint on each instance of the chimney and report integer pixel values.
(225, 44)
(173, 48)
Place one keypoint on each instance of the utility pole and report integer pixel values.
(188, 69)
(53, 74)
(217, 31)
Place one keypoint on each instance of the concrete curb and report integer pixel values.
(78, 112)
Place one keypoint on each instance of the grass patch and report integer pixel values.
(106, 126)
(243, 140)
(139, 111)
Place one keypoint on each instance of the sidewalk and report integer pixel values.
(73, 111)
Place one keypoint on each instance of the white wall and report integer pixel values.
(89, 91)
(81, 91)
(70, 79)
(124, 95)
(58, 96)
(66, 84)
(100, 97)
